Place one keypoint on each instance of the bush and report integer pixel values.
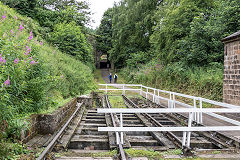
(69, 38)
(199, 81)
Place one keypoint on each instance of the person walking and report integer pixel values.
(115, 78)
(110, 77)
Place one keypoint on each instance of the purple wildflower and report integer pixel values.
(54, 51)
(12, 32)
(41, 43)
(62, 76)
(31, 36)
(2, 60)
(15, 17)
(7, 82)
(28, 50)
(16, 60)
(32, 62)
(4, 17)
(21, 28)
(30, 58)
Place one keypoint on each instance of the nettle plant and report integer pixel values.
(22, 75)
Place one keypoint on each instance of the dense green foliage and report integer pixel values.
(129, 25)
(197, 81)
(69, 39)
(33, 75)
(104, 33)
(62, 24)
(50, 12)
(181, 37)
(191, 31)
(186, 31)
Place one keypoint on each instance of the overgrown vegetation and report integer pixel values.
(170, 44)
(117, 101)
(34, 76)
(62, 23)
(204, 81)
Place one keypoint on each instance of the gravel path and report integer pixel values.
(105, 73)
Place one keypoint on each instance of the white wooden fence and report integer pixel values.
(186, 130)
(153, 94)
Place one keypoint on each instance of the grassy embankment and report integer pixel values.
(34, 78)
(204, 82)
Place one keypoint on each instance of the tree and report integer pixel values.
(173, 25)
(69, 38)
(25, 7)
(132, 28)
(104, 33)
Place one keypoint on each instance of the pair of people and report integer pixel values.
(115, 78)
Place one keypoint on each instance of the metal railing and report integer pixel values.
(171, 100)
(186, 130)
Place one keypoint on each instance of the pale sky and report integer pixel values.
(98, 7)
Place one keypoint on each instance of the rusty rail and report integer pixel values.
(120, 147)
(53, 142)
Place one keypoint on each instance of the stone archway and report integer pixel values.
(102, 61)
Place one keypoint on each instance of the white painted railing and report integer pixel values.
(186, 130)
(172, 102)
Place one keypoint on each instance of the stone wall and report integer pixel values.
(49, 123)
(231, 82)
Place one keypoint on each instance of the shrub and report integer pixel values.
(69, 38)
(199, 81)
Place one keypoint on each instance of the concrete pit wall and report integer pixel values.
(49, 123)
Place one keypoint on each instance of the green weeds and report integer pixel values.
(117, 102)
(34, 76)
(198, 81)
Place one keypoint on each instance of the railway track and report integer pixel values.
(80, 134)
(200, 140)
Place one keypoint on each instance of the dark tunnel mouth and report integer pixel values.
(104, 65)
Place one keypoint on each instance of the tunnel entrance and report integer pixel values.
(104, 62)
(104, 65)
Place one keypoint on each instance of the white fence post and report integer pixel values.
(200, 103)
(106, 89)
(170, 100)
(195, 106)
(189, 125)
(158, 98)
(123, 90)
(154, 95)
(174, 104)
(117, 137)
(147, 94)
(184, 139)
(121, 125)
(141, 90)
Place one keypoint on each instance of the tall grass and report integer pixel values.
(199, 81)
(33, 75)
